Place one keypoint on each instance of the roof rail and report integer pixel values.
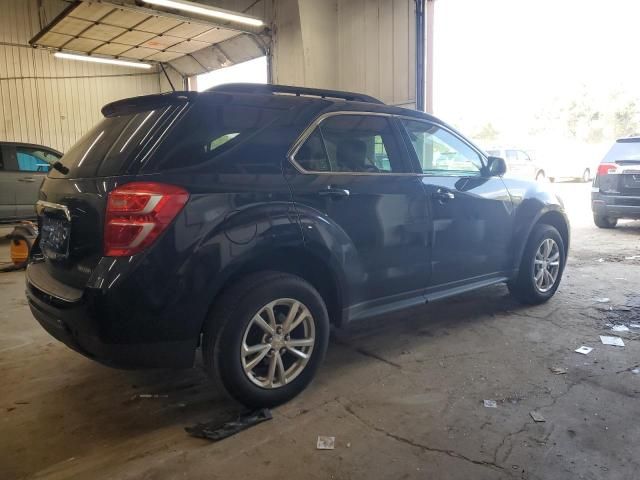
(258, 88)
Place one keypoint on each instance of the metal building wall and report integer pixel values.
(359, 45)
(50, 101)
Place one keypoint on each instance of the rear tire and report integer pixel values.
(540, 176)
(526, 286)
(233, 328)
(604, 222)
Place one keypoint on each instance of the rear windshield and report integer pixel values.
(208, 131)
(623, 151)
(109, 147)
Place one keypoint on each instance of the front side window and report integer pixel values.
(440, 152)
(34, 160)
(352, 143)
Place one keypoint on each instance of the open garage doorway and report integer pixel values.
(254, 71)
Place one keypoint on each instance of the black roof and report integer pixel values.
(332, 99)
(270, 89)
(628, 140)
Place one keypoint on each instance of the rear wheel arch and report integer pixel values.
(297, 261)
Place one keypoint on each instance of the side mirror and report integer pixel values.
(497, 166)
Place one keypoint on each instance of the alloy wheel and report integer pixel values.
(546, 265)
(277, 343)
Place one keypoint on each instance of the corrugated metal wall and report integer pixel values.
(359, 45)
(50, 101)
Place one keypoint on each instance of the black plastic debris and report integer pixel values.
(216, 431)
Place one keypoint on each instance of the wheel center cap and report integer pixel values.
(277, 341)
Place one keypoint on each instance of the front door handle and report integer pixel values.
(443, 195)
(335, 192)
(27, 179)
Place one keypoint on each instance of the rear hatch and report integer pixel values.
(619, 172)
(73, 197)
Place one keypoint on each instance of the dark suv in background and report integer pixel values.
(616, 188)
(248, 218)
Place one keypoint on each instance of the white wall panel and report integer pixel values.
(364, 46)
(50, 101)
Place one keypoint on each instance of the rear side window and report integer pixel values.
(109, 147)
(211, 132)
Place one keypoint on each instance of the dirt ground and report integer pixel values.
(403, 396)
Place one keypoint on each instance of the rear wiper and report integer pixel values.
(60, 167)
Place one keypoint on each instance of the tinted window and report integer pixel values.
(352, 143)
(111, 145)
(312, 156)
(440, 152)
(211, 131)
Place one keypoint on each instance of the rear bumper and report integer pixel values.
(78, 325)
(615, 206)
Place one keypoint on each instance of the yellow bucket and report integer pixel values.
(19, 251)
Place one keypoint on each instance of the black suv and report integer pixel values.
(249, 218)
(616, 188)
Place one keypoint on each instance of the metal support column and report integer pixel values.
(420, 55)
(429, 47)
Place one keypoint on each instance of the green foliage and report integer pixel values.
(590, 117)
(487, 133)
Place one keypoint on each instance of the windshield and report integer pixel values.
(623, 151)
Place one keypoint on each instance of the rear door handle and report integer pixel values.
(335, 192)
(27, 179)
(443, 195)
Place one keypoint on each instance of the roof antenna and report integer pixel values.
(166, 75)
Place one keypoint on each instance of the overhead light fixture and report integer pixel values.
(110, 61)
(193, 7)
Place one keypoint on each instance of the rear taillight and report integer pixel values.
(137, 213)
(607, 168)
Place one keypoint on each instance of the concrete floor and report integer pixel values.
(403, 396)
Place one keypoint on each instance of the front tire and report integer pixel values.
(541, 267)
(604, 222)
(586, 175)
(541, 177)
(266, 338)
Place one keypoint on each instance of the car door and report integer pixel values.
(516, 166)
(472, 212)
(8, 184)
(355, 194)
(32, 165)
(528, 167)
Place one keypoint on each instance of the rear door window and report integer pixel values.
(352, 143)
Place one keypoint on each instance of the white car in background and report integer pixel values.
(519, 163)
(570, 161)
